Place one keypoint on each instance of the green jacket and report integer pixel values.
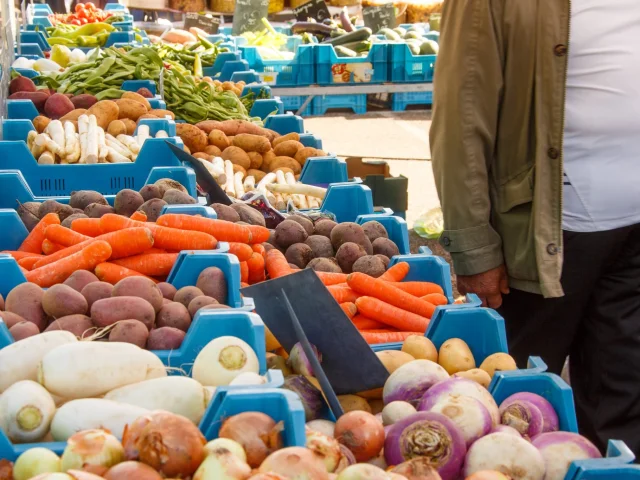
(496, 137)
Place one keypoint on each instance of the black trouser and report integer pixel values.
(596, 323)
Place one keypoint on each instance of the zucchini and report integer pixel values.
(343, 51)
(356, 36)
(358, 47)
(390, 34)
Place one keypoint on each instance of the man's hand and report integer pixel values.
(489, 286)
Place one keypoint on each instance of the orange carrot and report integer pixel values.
(28, 262)
(151, 264)
(418, 289)
(374, 287)
(139, 216)
(64, 236)
(258, 234)
(384, 337)
(33, 242)
(276, 264)
(57, 272)
(397, 273)
(112, 273)
(436, 299)
(329, 278)
(256, 268)
(244, 272)
(17, 255)
(49, 247)
(87, 226)
(342, 294)
(240, 250)
(398, 318)
(257, 247)
(157, 250)
(349, 309)
(220, 229)
(243, 285)
(364, 323)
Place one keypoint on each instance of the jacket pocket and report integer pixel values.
(517, 191)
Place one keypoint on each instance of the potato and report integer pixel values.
(160, 113)
(62, 300)
(300, 254)
(225, 212)
(249, 214)
(285, 162)
(51, 206)
(237, 156)
(80, 279)
(289, 136)
(152, 208)
(176, 197)
(97, 210)
(127, 202)
(455, 356)
(106, 112)
(117, 127)
(477, 375)
(40, 123)
(308, 152)
(108, 311)
(95, 291)
(166, 183)
(145, 92)
(67, 221)
(168, 290)
(26, 300)
(57, 106)
(392, 360)
(130, 331)
(218, 139)
(139, 287)
(146, 115)
(347, 255)
(80, 325)
(84, 100)
(130, 124)
(213, 151)
(165, 338)
(39, 99)
(186, 294)
(385, 260)
(257, 174)
(238, 168)
(203, 156)
(200, 302)
(370, 265)
(351, 403)
(320, 246)
(149, 192)
(288, 148)
(213, 283)
(420, 348)
(23, 330)
(130, 109)
(252, 143)
(498, 362)
(267, 158)
(373, 229)
(289, 232)
(384, 246)
(174, 315)
(324, 265)
(10, 319)
(192, 137)
(83, 198)
(256, 160)
(138, 98)
(304, 221)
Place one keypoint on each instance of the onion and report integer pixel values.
(508, 454)
(325, 447)
(323, 426)
(468, 413)
(418, 468)
(295, 463)
(363, 471)
(6, 469)
(258, 434)
(361, 433)
(506, 429)
(52, 476)
(132, 471)
(82, 475)
(310, 395)
(346, 459)
(379, 461)
(221, 464)
(248, 378)
(298, 361)
(231, 445)
(268, 476)
(35, 461)
(488, 475)
(430, 435)
(529, 413)
(91, 447)
(170, 443)
(396, 411)
(461, 386)
(412, 380)
(560, 449)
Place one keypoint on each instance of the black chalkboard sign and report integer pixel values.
(376, 18)
(248, 15)
(315, 9)
(208, 23)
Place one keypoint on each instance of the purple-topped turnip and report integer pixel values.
(468, 413)
(529, 413)
(409, 382)
(560, 449)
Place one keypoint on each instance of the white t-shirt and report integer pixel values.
(602, 120)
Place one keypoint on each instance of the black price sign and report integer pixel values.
(207, 23)
(315, 9)
(377, 18)
(248, 15)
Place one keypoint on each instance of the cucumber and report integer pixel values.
(400, 31)
(359, 35)
(343, 51)
(414, 35)
(390, 34)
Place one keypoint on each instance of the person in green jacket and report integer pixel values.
(536, 155)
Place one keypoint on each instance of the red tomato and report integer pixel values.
(83, 21)
(79, 7)
(84, 14)
(76, 22)
(90, 6)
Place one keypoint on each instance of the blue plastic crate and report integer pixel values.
(334, 70)
(29, 49)
(300, 71)
(615, 465)
(405, 67)
(115, 8)
(347, 201)
(293, 104)
(396, 228)
(321, 104)
(322, 171)
(265, 107)
(400, 101)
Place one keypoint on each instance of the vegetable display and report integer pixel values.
(83, 13)
(90, 35)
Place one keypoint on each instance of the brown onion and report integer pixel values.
(268, 476)
(325, 447)
(346, 459)
(418, 468)
(295, 463)
(361, 433)
(258, 434)
(169, 443)
(82, 475)
(6, 470)
(132, 471)
(95, 469)
(221, 463)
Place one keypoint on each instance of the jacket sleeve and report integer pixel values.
(467, 90)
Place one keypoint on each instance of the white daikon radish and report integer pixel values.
(280, 203)
(249, 183)
(44, 141)
(229, 187)
(102, 146)
(162, 134)
(237, 184)
(155, 367)
(46, 158)
(180, 395)
(90, 369)
(56, 132)
(83, 128)
(114, 157)
(248, 378)
(220, 177)
(129, 142)
(218, 164)
(143, 134)
(72, 150)
(300, 201)
(26, 410)
(92, 141)
(299, 188)
(112, 142)
(266, 180)
(222, 360)
(20, 360)
(89, 413)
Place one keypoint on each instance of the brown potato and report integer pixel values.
(40, 123)
(138, 98)
(174, 314)
(106, 111)
(80, 325)
(165, 338)
(95, 291)
(225, 212)
(80, 279)
(200, 302)
(10, 319)
(455, 356)
(249, 214)
(186, 294)
(213, 283)
(62, 300)
(498, 362)
(146, 115)
(477, 375)
(160, 113)
(308, 152)
(192, 137)
(239, 168)
(252, 143)
(288, 148)
(257, 174)
(237, 156)
(139, 287)
(73, 115)
(289, 136)
(116, 128)
(26, 300)
(130, 124)
(84, 100)
(168, 290)
(420, 348)
(203, 156)
(219, 139)
(285, 162)
(108, 311)
(213, 151)
(23, 330)
(130, 331)
(267, 158)
(256, 160)
(130, 109)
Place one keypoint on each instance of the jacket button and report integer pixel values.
(552, 249)
(446, 241)
(560, 50)
(553, 153)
